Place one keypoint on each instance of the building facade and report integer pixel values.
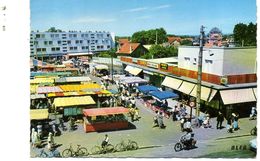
(48, 44)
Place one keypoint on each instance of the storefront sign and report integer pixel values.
(141, 62)
(152, 65)
(164, 66)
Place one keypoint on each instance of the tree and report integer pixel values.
(158, 51)
(186, 42)
(149, 37)
(251, 34)
(240, 33)
(53, 29)
(107, 54)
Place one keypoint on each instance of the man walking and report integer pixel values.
(220, 119)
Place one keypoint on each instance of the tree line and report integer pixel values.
(245, 35)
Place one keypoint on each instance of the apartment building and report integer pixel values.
(51, 44)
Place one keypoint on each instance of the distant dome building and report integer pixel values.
(215, 37)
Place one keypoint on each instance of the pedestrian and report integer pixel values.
(71, 124)
(133, 102)
(253, 113)
(132, 113)
(155, 119)
(220, 119)
(183, 120)
(50, 140)
(39, 130)
(229, 124)
(160, 120)
(105, 141)
(174, 113)
(187, 126)
(34, 137)
(136, 114)
(235, 121)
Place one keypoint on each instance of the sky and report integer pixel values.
(124, 17)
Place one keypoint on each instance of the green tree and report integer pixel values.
(149, 36)
(251, 34)
(107, 54)
(158, 51)
(53, 29)
(186, 42)
(240, 31)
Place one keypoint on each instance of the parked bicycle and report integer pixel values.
(51, 154)
(253, 131)
(109, 148)
(123, 146)
(70, 152)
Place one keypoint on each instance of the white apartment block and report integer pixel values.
(219, 61)
(59, 43)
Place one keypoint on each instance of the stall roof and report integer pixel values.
(133, 80)
(105, 111)
(82, 87)
(162, 95)
(73, 101)
(41, 80)
(99, 67)
(128, 68)
(147, 88)
(33, 88)
(237, 96)
(37, 96)
(48, 74)
(39, 114)
(49, 89)
(171, 82)
(72, 79)
(66, 69)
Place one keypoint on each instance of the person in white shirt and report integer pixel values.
(105, 141)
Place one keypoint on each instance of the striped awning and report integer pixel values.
(172, 82)
(186, 87)
(207, 94)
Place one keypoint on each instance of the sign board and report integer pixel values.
(152, 65)
(192, 104)
(164, 66)
(134, 60)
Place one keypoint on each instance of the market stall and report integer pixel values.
(101, 70)
(156, 104)
(103, 119)
(72, 106)
(68, 80)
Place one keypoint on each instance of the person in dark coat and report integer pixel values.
(220, 119)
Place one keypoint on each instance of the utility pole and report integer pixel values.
(199, 71)
(156, 37)
(112, 65)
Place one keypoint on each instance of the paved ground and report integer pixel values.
(155, 142)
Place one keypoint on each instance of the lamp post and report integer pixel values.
(199, 71)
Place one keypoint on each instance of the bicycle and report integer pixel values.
(81, 151)
(109, 148)
(253, 131)
(51, 154)
(130, 145)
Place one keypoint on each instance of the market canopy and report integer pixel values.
(66, 69)
(48, 74)
(147, 88)
(39, 114)
(130, 80)
(41, 80)
(73, 101)
(162, 95)
(237, 96)
(207, 94)
(99, 67)
(37, 96)
(171, 82)
(128, 68)
(72, 79)
(82, 87)
(135, 71)
(49, 89)
(186, 87)
(105, 111)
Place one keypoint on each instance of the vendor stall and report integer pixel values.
(102, 119)
(72, 105)
(101, 70)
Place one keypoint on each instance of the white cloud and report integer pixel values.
(94, 20)
(136, 9)
(162, 6)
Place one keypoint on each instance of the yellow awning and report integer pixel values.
(42, 80)
(73, 101)
(33, 88)
(237, 96)
(99, 67)
(135, 71)
(39, 114)
(206, 93)
(172, 82)
(71, 88)
(186, 87)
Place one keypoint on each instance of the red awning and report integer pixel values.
(105, 111)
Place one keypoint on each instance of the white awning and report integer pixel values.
(186, 87)
(255, 92)
(172, 82)
(206, 93)
(135, 71)
(128, 68)
(237, 96)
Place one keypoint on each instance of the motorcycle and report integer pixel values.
(185, 144)
(253, 131)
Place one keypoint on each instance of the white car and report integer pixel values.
(252, 144)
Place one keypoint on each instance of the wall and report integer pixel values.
(239, 61)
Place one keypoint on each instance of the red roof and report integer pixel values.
(128, 48)
(105, 111)
(123, 41)
(172, 39)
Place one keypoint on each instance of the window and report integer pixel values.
(56, 35)
(98, 47)
(38, 49)
(52, 49)
(83, 47)
(59, 42)
(75, 48)
(38, 35)
(186, 58)
(35, 42)
(70, 35)
(50, 42)
(82, 35)
(63, 34)
(57, 49)
(43, 49)
(69, 42)
(71, 48)
(52, 35)
(194, 61)
(108, 46)
(77, 41)
(96, 41)
(80, 41)
(88, 41)
(45, 42)
(101, 46)
(108, 35)
(74, 35)
(208, 61)
(43, 36)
